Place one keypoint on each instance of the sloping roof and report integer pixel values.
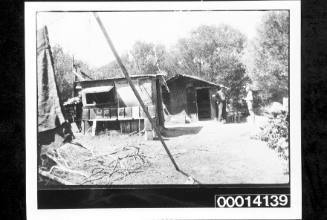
(195, 78)
(81, 76)
(122, 77)
(97, 89)
(85, 75)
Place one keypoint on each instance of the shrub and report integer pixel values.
(275, 133)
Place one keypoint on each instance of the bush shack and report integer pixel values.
(192, 95)
(111, 104)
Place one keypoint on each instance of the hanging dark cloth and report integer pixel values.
(50, 115)
(53, 130)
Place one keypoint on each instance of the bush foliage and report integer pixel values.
(266, 56)
(275, 133)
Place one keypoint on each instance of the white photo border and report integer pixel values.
(295, 210)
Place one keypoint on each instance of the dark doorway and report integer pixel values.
(159, 104)
(191, 101)
(203, 103)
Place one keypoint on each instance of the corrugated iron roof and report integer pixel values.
(196, 78)
(122, 77)
(97, 89)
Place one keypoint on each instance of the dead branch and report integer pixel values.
(68, 170)
(112, 166)
(55, 178)
(137, 132)
(60, 158)
(101, 155)
(64, 166)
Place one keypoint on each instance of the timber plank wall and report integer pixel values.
(182, 96)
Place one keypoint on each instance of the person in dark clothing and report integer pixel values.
(221, 103)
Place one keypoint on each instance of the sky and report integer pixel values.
(79, 34)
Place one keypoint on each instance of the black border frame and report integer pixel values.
(313, 114)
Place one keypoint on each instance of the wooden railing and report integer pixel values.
(125, 113)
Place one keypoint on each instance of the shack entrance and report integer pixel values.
(203, 103)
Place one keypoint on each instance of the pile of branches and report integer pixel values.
(72, 166)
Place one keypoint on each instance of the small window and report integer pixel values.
(100, 98)
(99, 95)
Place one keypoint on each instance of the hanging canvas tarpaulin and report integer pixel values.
(50, 115)
(125, 94)
(127, 97)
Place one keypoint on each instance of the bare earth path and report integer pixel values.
(210, 152)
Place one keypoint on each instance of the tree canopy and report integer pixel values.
(214, 53)
(267, 56)
(219, 54)
(63, 66)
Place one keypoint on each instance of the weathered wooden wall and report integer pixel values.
(177, 101)
(131, 126)
(182, 96)
(128, 114)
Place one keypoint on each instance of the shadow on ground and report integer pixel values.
(179, 131)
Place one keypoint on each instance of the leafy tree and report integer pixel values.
(63, 70)
(63, 66)
(210, 52)
(214, 53)
(143, 58)
(149, 58)
(267, 56)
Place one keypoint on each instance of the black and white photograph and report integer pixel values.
(166, 96)
(216, 89)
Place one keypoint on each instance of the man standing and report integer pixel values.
(249, 102)
(221, 102)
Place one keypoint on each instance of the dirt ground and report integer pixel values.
(210, 152)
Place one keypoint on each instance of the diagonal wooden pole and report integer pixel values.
(124, 70)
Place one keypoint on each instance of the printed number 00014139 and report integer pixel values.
(252, 200)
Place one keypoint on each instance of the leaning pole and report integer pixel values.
(126, 74)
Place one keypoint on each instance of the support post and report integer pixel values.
(94, 127)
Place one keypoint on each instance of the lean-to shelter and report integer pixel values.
(111, 104)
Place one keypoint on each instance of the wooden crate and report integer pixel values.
(106, 113)
(113, 113)
(98, 113)
(121, 113)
